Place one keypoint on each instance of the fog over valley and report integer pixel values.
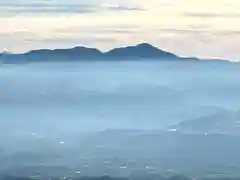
(118, 117)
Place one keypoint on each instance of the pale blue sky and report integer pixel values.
(203, 28)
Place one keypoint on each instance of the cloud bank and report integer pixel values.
(16, 8)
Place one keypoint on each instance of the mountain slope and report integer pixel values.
(64, 54)
(221, 122)
(140, 51)
(78, 53)
(143, 50)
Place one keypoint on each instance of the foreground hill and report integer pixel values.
(148, 177)
(130, 152)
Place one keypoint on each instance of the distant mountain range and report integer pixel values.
(140, 51)
(221, 122)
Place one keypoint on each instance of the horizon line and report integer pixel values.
(113, 48)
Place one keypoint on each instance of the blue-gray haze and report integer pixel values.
(61, 102)
(101, 95)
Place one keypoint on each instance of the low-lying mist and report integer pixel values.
(92, 96)
(61, 103)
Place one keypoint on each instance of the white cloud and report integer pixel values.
(62, 7)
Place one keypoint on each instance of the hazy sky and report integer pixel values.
(204, 28)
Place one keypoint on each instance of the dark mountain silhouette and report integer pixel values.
(64, 54)
(141, 51)
(81, 53)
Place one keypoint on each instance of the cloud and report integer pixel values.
(211, 15)
(116, 7)
(73, 40)
(200, 31)
(62, 8)
(46, 8)
(100, 29)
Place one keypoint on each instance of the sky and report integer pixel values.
(200, 28)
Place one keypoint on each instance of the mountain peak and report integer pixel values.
(135, 52)
(143, 50)
(145, 45)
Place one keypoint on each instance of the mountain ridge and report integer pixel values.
(78, 53)
(223, 121)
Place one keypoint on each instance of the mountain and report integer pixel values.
(64, 54)
(78, 53)
(221, 122)
(140, 51)
(143, 50)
